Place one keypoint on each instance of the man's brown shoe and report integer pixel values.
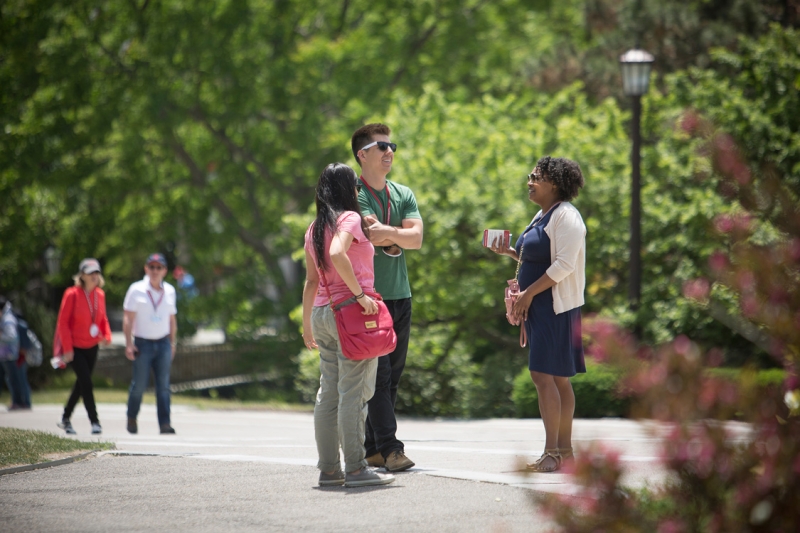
(133, 428)
(375, 460)
(397, 462)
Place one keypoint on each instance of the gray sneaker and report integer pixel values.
(96, 429)
(327, 480)
(66, 425)
(367, 477)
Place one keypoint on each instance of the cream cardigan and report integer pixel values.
(567, 234)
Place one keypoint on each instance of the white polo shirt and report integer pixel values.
(153, 308)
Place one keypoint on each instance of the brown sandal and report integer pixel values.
(538, 466)
(566, 455)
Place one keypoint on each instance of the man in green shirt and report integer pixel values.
(395, 226)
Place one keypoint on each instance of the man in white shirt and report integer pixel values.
(150, 328)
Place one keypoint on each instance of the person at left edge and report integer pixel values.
(150, 328)
(82, 326)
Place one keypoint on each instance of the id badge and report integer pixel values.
(94, 331)
(155, 319)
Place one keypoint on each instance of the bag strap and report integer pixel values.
(327, 289)
(533, 224)
(338, 306)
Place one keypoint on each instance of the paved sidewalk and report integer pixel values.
(268, 458)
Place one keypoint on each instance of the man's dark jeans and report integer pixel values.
(155, 354)
(381, 422)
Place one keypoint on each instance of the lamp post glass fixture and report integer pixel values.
(635, 81)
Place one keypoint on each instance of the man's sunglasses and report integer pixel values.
(156, 267)
(382, 146)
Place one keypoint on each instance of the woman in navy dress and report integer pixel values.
(552, 280)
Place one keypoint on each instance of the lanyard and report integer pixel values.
(387, 210)
(156, 304)
(92, 308)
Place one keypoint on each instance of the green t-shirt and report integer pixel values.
(391, 274)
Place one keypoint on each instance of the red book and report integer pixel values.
(489, 235)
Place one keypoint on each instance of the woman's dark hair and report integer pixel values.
(336, 193)
(564, 173)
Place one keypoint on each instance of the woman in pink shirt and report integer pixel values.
(82, 326)
(337, 243)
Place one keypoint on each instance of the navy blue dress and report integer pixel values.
(555, 343)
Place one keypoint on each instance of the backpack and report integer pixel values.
(29, 342)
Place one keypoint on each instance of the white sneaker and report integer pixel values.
(96, 429)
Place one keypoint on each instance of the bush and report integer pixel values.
(596, 394)
(773, 377)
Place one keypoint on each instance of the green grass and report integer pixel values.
(59, 396)
(25, 447)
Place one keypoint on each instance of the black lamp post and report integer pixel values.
(635, 81)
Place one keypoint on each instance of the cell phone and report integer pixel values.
(489, 236)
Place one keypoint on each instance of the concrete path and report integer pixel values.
(254, 470)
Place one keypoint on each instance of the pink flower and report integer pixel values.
(696, 289)
(749, 305)
(724, 143)
(741, 173)
(777, 348)
(690, 122)
(682, 344)
(794, 249)
(671, 525)
(791, 382)
(718, 261)
(723, 223)
(597, 352)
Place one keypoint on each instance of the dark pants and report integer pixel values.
(16, 379)
(83, 364)
(381, 422)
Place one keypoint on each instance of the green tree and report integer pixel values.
(195, 128)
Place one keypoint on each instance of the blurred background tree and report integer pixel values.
(199, 130)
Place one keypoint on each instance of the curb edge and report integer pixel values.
(47, 464)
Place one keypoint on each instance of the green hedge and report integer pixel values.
(772, 377)
(595, 394)
(596, 390)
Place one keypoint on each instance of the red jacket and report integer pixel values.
(75, 319)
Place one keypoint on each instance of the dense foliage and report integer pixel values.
(198, 129)
(721, 479)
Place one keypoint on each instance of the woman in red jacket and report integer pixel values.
(82, 326)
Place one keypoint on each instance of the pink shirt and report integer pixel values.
(360, 253)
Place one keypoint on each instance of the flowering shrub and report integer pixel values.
(723, 476)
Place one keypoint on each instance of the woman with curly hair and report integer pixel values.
(552, 255)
